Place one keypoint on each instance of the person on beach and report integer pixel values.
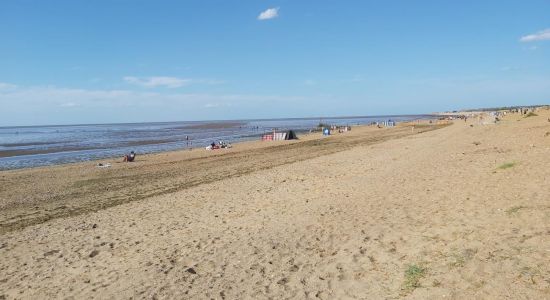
(129, 157)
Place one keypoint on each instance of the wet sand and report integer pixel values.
(63, 148)
(20, 152)
(461, 212)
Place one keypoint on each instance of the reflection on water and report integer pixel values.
(22, 147)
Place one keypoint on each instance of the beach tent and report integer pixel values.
(280, 136)
(291, 135)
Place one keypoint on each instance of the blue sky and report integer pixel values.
(64, 62)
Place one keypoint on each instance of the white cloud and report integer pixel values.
(269, 13)
(160, 81)
(539, 36)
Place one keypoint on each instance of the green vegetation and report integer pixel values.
(531, 114)
(506, 165)
(458, 261)
(514, 209)
(460, 258)
(413, 274)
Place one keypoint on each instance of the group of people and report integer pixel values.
(219, 145)
(130, 157)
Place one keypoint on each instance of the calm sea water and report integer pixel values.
(22, 147)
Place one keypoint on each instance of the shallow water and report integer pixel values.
(32, 146)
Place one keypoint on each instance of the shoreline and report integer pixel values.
(73, 189)
(118, 158)
(220, 121)
(114, 159)
(12, 156)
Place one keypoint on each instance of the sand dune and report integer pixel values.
(457, 213)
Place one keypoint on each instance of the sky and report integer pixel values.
(79, 61)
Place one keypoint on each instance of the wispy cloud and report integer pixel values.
(65, 97)
(269, 13)
(52, 96)
(68, 104)
(7, 86)
(357, 78)
(208, 81)
(27, 105)
(168, 82)
(538, 36)
(508, 68)
(217, 105)
(310, 82)
(160, 81)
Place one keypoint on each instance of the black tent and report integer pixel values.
(291, 135)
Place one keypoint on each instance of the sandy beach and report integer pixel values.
(441, 211)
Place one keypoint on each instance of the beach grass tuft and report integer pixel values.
(514, 209)
(413, 274)
(458, 261)
(506, 165)
(460, 258)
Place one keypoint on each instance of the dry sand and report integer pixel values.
(62, 191)
(457, 213)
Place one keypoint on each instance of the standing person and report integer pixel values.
(187, 140)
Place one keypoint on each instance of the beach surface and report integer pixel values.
(455, 212)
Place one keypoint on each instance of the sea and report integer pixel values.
(35, 146)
